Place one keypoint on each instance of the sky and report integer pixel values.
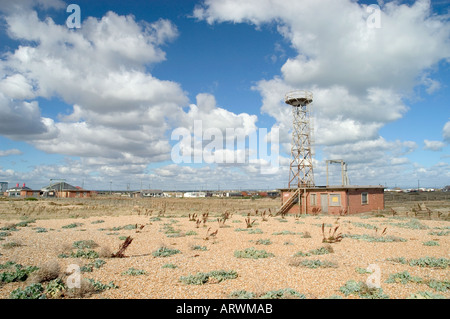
(189, 95)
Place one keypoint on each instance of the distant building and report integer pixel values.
(152, 193)
(21, 191)
(235, 194)
(273, 194)
(173, 194)
(218, 194)
(3, 187)
(64, 190)
(195, 194)
(15, 191)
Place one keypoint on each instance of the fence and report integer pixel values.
(417, 196)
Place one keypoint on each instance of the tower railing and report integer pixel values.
(301, 167)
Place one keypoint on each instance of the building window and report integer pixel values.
(313, 200)
(364, 198)
(335, 199)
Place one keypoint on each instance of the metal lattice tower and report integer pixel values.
(301, 167)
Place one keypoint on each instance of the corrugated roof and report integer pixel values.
(60, 186)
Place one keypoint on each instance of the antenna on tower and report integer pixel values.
(301, 167)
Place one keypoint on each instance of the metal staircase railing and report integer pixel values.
(289, 203)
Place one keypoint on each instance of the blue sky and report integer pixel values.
(98, 105)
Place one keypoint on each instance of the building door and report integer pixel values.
(324, 202)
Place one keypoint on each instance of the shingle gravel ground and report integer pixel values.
(254, 275)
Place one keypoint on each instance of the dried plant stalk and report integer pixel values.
(208, 235)
(249, 223)
(332, 238)
(122, 248)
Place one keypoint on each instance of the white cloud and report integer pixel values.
(433, 145)
(17, 87)
(446, 132)
(19, 118)
(212, 116)
(25, 5)
(102, 64)
(348, 53)
(366, 64)
(431, 85)
(13, 151)
(118, 108)
(212, 134)
(370, 151)
(399, 161)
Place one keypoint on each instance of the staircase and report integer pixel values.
(289, 203)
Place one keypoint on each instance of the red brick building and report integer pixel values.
(333, 200)
(60, 190)
(65, 190)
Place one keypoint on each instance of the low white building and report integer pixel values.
(152, 193)
(195, 194)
